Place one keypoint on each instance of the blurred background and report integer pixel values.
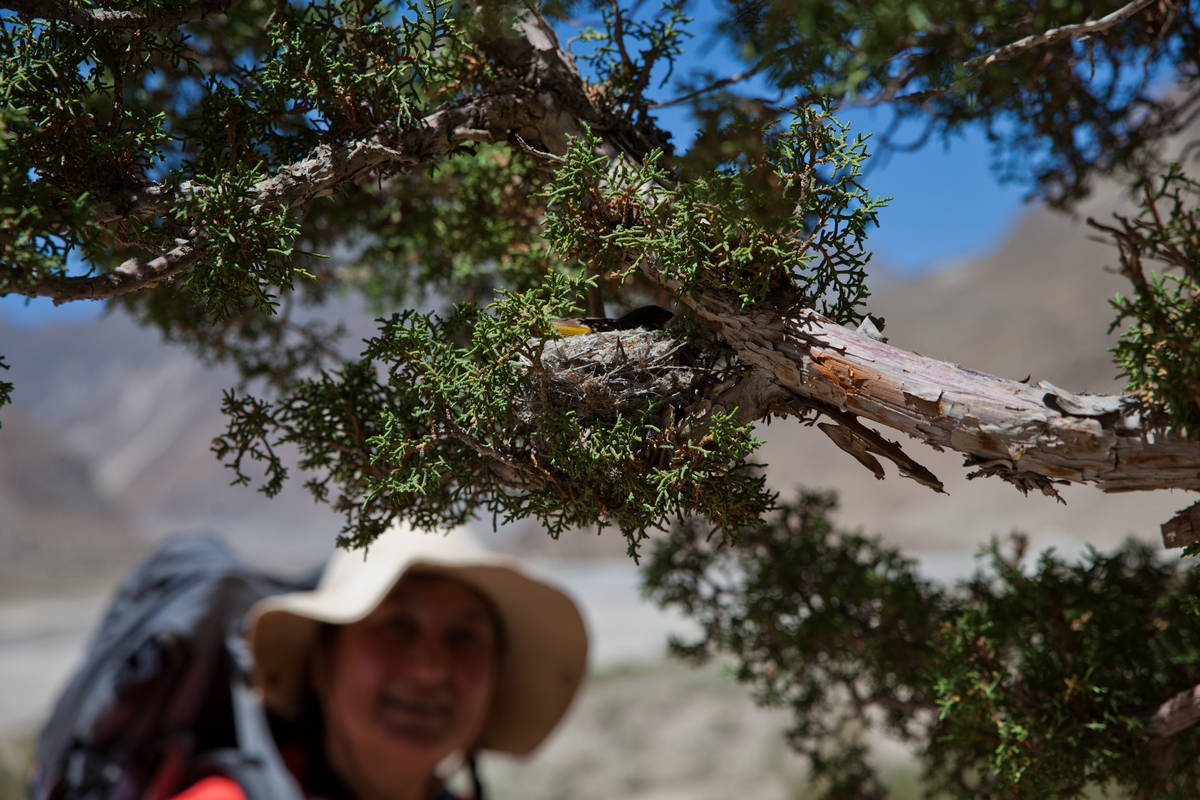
(105, 451)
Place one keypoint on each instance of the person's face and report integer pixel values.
(408, 686)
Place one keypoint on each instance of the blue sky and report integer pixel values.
(946, 203)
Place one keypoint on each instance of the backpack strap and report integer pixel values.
(255, 762)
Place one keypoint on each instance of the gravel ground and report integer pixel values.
(659, 731)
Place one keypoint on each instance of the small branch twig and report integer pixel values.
(619, 38)
(712, 87)
(112, 20)
(533, 151)
(1011, 50)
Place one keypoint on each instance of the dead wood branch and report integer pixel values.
(1032, 436)
(1180, 712)
(1183, 528)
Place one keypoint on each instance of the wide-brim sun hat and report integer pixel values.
(544, 656)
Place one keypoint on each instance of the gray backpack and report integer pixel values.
(161, 698)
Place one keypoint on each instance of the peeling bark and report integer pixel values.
(1034, 436)
(1183, 528)
(1177, 714)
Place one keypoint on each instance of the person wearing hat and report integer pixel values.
(422, 648)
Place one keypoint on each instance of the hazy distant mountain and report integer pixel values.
(1037, 306)
(57, 527)
(140, 415)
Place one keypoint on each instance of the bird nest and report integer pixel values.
(602, 375)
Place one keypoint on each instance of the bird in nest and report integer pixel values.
(648, 317)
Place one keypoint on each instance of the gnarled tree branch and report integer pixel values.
(1035, 437)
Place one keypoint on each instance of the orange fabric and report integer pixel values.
(215, 788)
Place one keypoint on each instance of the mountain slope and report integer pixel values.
(58, 530)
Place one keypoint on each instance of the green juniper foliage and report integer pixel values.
(1094, 105)
(1045, 657)
(456, 427)
(796, 217)
(1027, 682)
(428, 239)
(236, 174)
(1159, 352)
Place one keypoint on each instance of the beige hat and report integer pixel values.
(545, 641)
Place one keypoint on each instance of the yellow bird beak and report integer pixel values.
(568, 329)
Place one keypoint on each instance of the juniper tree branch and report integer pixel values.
(1076, 31)
(131, 275)
(545, 105)
(110, 19)
(483, 118)
(973, 66)
(316, 175)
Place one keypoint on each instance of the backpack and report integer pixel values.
(162, 696)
